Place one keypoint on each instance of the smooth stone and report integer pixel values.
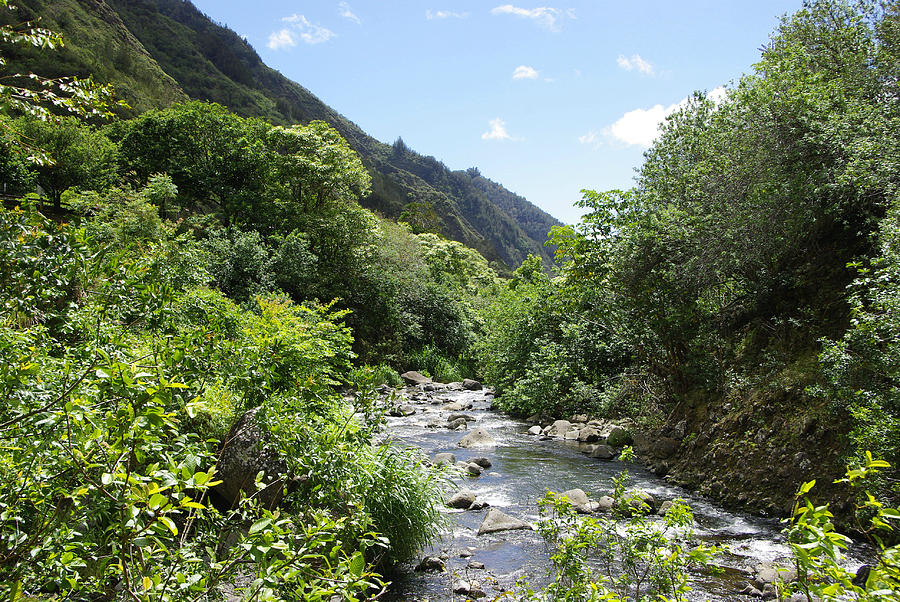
(605, 504)
(478, 505)
(459, 422)
(664, 507)
(473, 469)
(589, 435)
(471, 385)
(535, 430)
(430, 563)
(456, 416)
(576, 496)
(414, 378)
(571, 435)
(474, 564)
(602, 452)
(495, 521)
(477, 439)
(443, 459)
(589, 508)
(559, 428)
(462, 499)
(482, 462)
(458, 406)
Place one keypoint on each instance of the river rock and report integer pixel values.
(458, 406)
(482, 461)
(471, 385)
(496, 520)
(576, 496)
(664, 507)
(479, 505)
(454, 386)
(579, 418)
(462, 588)
(462, 499)
(404, 410)
(602, 452)
(637, 499)
(588, 435)
(619, 436)
(430, 563)
(444, 459)
(459, 422)
(428, 387)
(479, 438)
(559, 428)
(246, 452)
(571, 435)
(772, 572)
(605, 504)
(473, 469)
(457, 416)
(589, 508)
(535, 430)
(414, 378)
(474, 564)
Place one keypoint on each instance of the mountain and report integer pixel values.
(156, 52)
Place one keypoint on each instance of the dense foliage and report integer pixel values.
(723, 273)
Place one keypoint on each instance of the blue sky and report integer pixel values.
(545, 99)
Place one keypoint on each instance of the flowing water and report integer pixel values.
(524, 468)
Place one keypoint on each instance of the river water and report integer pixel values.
(523, 469)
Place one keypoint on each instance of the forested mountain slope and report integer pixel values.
(156, 52)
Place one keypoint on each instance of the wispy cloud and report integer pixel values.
(635, 62)
(444, 14)
(640, 127)
(345, 11)
(282, 39)
(299, 27)
(544, 16)
(498, 131)
(525, 72)
(591, 139)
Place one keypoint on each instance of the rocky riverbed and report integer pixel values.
(506, 466)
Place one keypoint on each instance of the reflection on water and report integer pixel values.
(524, 469)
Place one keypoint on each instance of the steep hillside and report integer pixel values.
(161, 51)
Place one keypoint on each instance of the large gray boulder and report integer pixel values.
(589, 435)
(444, 459)
(414, 378)
(559, 428)
(602, 452)
(577, 497)
(247, 451)
(479, 438)
(496, 520)
(462, 499)
(471, 385)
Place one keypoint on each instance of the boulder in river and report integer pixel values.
(457, 423)
(605, 504)
(458, 415)
(496, 520)
(602, 452)
(589, 435)
(471, 385)
(619, 436)
(458, 406)
(430, 563)
(559, 428)
(479, 438)
(462, 499)
(444, 459)
(414, 378)
(482, 461)
(535, 430)
(576, 496)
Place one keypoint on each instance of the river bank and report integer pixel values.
(523, 467)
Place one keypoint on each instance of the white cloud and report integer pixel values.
(635, 62)
(299, 26)
(525, 72)
(544, 16)
(590, 138)
(281, 39)
(346, 12)
(641, 126)
(498, 131)
(444, 14)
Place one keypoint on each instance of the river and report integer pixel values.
(524, 467)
